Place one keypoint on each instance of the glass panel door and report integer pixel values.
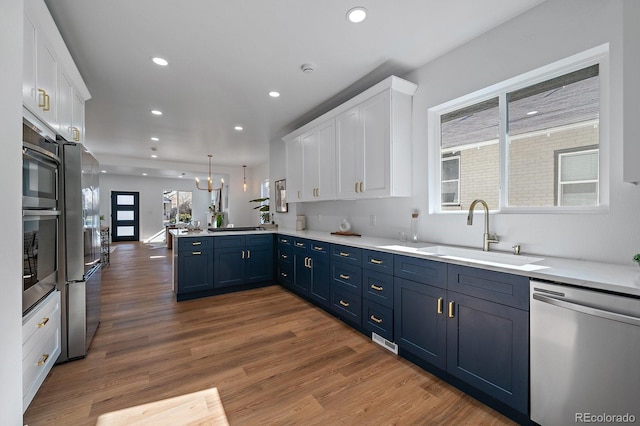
(125, 218)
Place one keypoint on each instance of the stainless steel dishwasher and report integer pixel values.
(585, 356)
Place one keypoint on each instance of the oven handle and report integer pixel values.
(39, 154)
(40, 212)
(589, 310)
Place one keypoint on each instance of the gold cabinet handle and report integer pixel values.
(196, 253)
(356, 186)
(284, 241)
(44, 359)
(374, 319)
(307, 262)
(299, 244)
(282, 274)
(43, 322)
(299, 195)
(376, 261)
(376, 288)
(76, 134)
(344, 277)
(440, 303)
(243, 254)
(343, 254)
(196, 243)
(451, 315)
(361, 187)
(317, 248)
(345, 304)
(283, 256)
(248, 254)
(44, 102)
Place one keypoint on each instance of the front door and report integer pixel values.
(125, 217)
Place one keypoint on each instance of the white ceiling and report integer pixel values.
(226, 55)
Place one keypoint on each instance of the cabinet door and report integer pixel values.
(420, 320)
(488, 347)
(326, 160)
(310, 167)
(302, 272)
(77, 121)
(294, 170)
(259, 264)
(195, 272)
(229, 266)
(29, 91)
(375, 169)
(65, 106)
(320, 277)
(46, 81)
(348, 153)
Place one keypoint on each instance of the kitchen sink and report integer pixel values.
(505, 260)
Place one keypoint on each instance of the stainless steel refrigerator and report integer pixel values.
(80, 250)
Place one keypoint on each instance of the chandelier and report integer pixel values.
(209, 187)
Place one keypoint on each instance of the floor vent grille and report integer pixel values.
(390, 346)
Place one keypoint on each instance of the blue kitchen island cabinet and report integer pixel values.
(194, 264)
(242, 259)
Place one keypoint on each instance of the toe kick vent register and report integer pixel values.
(390, 346)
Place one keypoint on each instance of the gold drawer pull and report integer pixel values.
(44, 99)
(196, 253)
(43, 322)
(299, 244)
(451, 315)
(343, 254)
(284, 241)
(196, 243)
(374, 319)
(376, 288)
(345, 304)
(440, 303)
(282, 274)
(356, 187)
(318, 248)
(284, 256)
(344, 277)
(376, 261)
(44, 359)
(76, 134)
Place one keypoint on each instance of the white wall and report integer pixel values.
(11, 212)
(552, 31)
(150, 189)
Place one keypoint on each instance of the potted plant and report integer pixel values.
(636, 258)
(263, 208)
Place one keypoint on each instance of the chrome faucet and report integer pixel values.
(486, 237)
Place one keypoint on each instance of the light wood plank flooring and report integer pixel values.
(275, 359)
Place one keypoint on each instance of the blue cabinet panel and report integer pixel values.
(377, 287)
(347, 305)
(377, 261)
(195, 271)
(228, 267)
(500, 287)
(347, 277)
(378, 319)
(420, 270)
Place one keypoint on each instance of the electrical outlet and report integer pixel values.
(372, 219)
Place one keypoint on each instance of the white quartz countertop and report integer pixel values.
(623, 279)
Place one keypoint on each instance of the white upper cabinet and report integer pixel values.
(294, 170)
(52, 88)
(361, 149)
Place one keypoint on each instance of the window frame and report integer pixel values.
(597, 55)
(559, 156)
(442, 181)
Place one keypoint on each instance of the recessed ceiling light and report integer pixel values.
(357, 14)
(238, 128)
(144, 174)
(160, 61)
(155, 139)
(103, 171)
(156, 112)
(274, 94)
(532, 112)
(154, 156)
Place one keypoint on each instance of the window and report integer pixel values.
(177, 206)
(532, 143)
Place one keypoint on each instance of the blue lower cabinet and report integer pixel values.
(195, 270)
(229, 267)
(311, 270)
(243, 259)
(488, 347)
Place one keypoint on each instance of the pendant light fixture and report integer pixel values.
(244, 178)
(209, 187)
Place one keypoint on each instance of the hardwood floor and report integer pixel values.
(275, 359)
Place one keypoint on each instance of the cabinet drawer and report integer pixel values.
(347, 305)
(420, 270)
(259, 240)
(42, 318)
(230, 241)
(377, 261)
(285, 274)
(346, 254)
(347, 277)
(377, 287)
(285, 240)
(377, 318)
(320, 248)
(194, 243)
(41, 351)
(499, 287)
(284, 255)
(300, 243)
